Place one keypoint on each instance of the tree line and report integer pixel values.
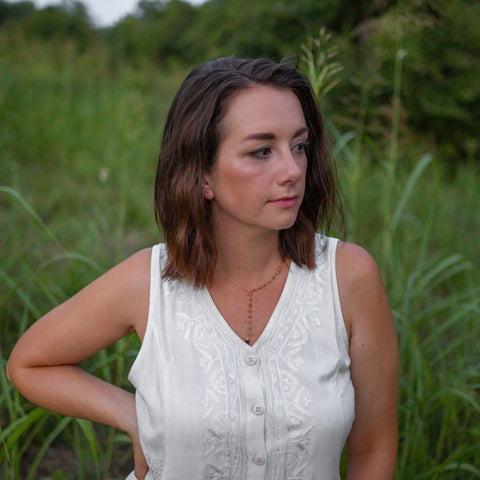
(437, 40)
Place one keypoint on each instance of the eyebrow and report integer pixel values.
(271, 136)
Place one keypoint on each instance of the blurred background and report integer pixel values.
(84, 90)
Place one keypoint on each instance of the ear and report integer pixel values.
(207, 190)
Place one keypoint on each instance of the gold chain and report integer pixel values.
(250, 297)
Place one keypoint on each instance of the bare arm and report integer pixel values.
(372, 443)
(43, 363)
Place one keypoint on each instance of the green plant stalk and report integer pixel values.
(391, 164)
(89, 434)
(62, 425)
(356, 164)
(30, 211)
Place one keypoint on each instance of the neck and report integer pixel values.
(248, 258)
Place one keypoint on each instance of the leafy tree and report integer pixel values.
(440, 94)
(15, 11)
(440, 88)
(268, 28)
(68, 20)
(124, 39)
(166, 35)
(159, 32)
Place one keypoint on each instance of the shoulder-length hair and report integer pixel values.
(188, 151)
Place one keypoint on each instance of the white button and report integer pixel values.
(251, 360)
(258, 409)
(259, 460)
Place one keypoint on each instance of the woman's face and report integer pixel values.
(258, 179)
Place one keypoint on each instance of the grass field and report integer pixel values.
(78, 144)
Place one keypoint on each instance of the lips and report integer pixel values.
(285, 202)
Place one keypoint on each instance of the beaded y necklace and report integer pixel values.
(250, 293)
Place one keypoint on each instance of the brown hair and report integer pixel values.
(188, 150)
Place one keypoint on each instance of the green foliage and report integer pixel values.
(78, 147)
(79, 131)
(67, 21)
(434, 295)
(318, 63)
(441, 98)
(440, 102)
(15, 11)
(452, 107)
(160, 33)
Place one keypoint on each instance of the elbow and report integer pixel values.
(19, 376)
(7, 371)
(11, 370)
(14, 369)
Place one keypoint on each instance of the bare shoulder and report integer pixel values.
(135, 268)
(354, 263)
(126, 280)
(117, 300)
(360, 284)
(129, 284)
(111, 307)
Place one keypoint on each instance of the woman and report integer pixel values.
(265, 346)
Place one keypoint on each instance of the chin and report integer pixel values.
(286, 224)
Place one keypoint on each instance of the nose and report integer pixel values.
(292, 167)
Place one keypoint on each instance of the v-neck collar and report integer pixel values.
(214, 314)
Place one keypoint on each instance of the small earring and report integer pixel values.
(208, 195)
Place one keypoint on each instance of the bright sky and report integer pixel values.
(104, 12)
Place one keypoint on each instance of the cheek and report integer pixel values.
(250, 187)
(239, 175)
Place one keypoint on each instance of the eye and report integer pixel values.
(299, 148)
(261, 153)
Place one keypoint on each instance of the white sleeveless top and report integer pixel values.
(210, 406)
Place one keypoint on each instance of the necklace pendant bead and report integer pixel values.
(250, 293)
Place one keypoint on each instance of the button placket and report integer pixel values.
(255, 416)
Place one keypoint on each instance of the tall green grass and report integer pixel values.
(419, 225)
(78, 143)
(78, 146)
